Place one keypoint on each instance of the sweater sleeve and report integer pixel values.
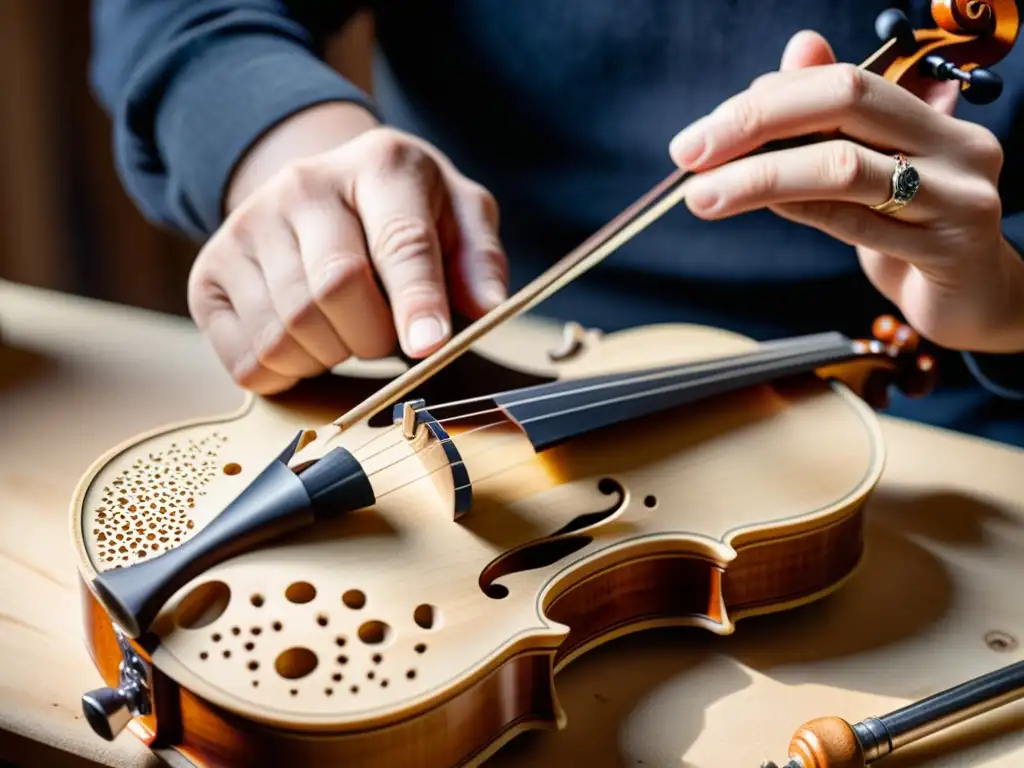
(189, 86)
(1002, 375)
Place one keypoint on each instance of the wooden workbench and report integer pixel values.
(937, 601)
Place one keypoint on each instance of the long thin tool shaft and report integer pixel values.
(882, 735)
(831, 742)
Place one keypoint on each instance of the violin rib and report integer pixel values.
(377, 630)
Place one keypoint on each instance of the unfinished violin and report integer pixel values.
(398, 585)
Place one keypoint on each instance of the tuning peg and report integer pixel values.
(914, 377)
(894, 24)
(980, 85)
(919, 379)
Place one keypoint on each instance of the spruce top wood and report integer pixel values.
(669, 474)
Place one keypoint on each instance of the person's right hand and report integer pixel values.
(287, 288)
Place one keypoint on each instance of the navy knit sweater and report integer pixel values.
(564, 110)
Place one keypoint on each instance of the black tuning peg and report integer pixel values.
(894, 24)
(980, 85)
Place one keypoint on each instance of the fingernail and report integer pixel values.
(687, 148)
(424, 332)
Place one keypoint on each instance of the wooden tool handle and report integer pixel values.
(827, 742)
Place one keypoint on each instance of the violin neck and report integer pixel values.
(553, 413)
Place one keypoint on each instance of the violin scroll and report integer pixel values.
(964, 15)
(890, 359)
(971, 35)
(896, 344)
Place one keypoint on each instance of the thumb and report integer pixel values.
(806, 49)
(478, 269)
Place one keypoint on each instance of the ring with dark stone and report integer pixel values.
(905, 183)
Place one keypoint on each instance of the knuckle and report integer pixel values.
(827, 212)
(844, 166)
(862, 226)
(747, 115)
(236, 232)
(986, 147)
(418, 293)
(299, 180)
(487, 203)
(764, 179)
(851, 85)
(403, 241)
(204, 294)
(986, 202)
(762, 80)
(496, 257)
(337, 272)
(394, 152)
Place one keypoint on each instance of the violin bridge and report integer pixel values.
(438, 454)
(575, 338)
(409, 419)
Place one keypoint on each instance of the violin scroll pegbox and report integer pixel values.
(896, 362)
(971, 35)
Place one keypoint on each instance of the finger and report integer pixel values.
(269, 340)
(231, 342)
(279, 259)
(399, 198)
(837, 98)
(859, 226)
(216, 318)
(478, 266)
(340, 277)
(836, 170)
(806, 49)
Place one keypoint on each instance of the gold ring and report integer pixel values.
(905, 183)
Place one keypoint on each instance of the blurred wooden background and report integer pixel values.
(66, 221)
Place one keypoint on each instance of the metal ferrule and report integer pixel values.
(874, 739)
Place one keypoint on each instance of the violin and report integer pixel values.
(400, 585)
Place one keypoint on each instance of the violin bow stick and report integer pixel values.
(901, 51)
(612, 236)
(831, 742)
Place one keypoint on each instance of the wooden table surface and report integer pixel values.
(937, 601)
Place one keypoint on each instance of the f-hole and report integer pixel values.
(549, 550)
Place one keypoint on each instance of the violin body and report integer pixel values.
(398, 636)
(400, 587)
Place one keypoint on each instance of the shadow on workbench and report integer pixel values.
(901, 596)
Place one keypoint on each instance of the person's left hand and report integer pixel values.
(942, 259)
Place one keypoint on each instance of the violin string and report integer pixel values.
(438, 443)
(639, 379)
(779, 349)
(447, 467)
(774, 354)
